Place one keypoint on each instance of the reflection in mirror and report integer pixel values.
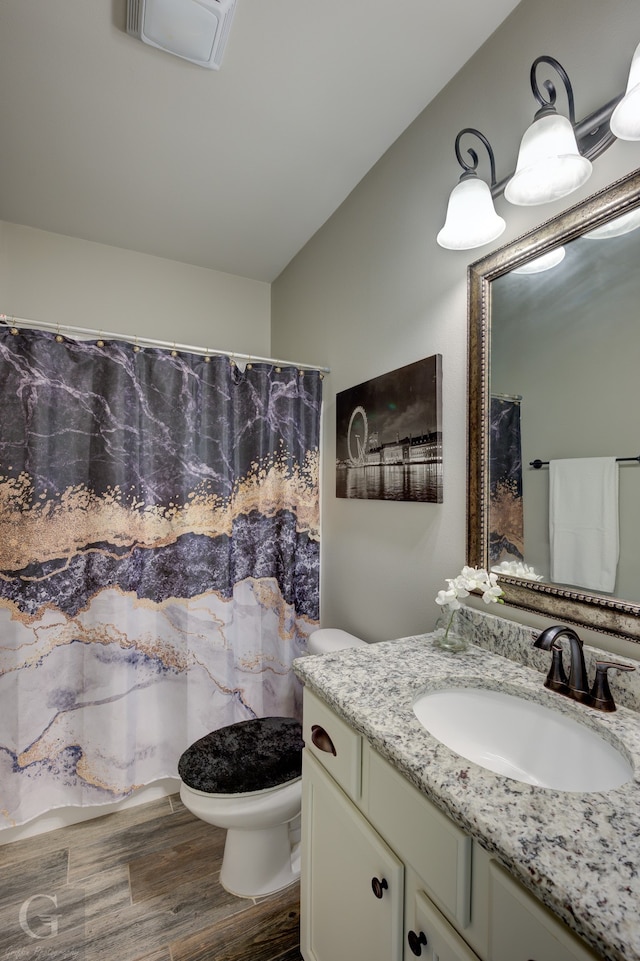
(568, 341)
(554, 381)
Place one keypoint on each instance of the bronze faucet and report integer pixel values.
(576, 685)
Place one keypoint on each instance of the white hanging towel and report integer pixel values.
(583, 522)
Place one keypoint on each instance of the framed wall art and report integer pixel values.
(389, 435)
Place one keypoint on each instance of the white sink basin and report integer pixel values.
(522, 739)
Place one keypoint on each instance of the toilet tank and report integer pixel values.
(328, 639)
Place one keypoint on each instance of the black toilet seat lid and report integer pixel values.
(248, 756)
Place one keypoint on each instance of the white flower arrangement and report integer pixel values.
(470, 579)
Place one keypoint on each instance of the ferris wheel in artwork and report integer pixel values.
(357, 459)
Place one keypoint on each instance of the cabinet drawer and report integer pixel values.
(435, 847)
(431, 937)
(333, 743)
(522, 929)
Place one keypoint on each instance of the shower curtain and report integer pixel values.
(159, 559)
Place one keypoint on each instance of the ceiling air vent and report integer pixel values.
(196, 30)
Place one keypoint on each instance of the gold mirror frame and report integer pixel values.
(597, 612)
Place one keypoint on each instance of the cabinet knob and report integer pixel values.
(416, 941)
(378, 886)
(322, 740)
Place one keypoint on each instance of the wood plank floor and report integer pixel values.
(139, 885)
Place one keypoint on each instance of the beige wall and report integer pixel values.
(48, 277)
(373, 291)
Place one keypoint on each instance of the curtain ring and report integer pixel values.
(4, 319)
(207, 359)
(100, 341)
(59, 337)
(136, 347)
(174, 352)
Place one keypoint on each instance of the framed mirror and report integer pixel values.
(554, 358)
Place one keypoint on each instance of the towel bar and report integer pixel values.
(537, 464)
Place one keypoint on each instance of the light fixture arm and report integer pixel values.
(469, 169)
(549, 86)
(593, 134)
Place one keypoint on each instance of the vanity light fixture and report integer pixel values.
(549, 165)
(471, 217)
(554, 158)
(625, 119)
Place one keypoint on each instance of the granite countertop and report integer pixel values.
(578, 853)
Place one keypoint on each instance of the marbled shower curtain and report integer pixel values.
(159, 559)
(506, 518)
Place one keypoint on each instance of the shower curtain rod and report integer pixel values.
(9, 321)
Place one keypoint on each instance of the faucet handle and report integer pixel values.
(556, 678)
(600, 692)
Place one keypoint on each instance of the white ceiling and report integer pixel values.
(107, 139)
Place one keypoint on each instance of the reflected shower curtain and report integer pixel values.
(159, 559)
(506, 516)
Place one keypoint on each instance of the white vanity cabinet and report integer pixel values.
(375, 852)
(386, 876)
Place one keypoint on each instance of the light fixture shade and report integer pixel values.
(625, 119)
(549, 163)
(471, 217)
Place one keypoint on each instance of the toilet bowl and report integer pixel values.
(246, 778)
(261, 853)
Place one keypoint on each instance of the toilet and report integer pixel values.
(246, 778)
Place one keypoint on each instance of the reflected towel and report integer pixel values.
(583, 522)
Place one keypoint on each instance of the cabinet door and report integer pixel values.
(522, 929)
(430, 936)
(343, 860)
